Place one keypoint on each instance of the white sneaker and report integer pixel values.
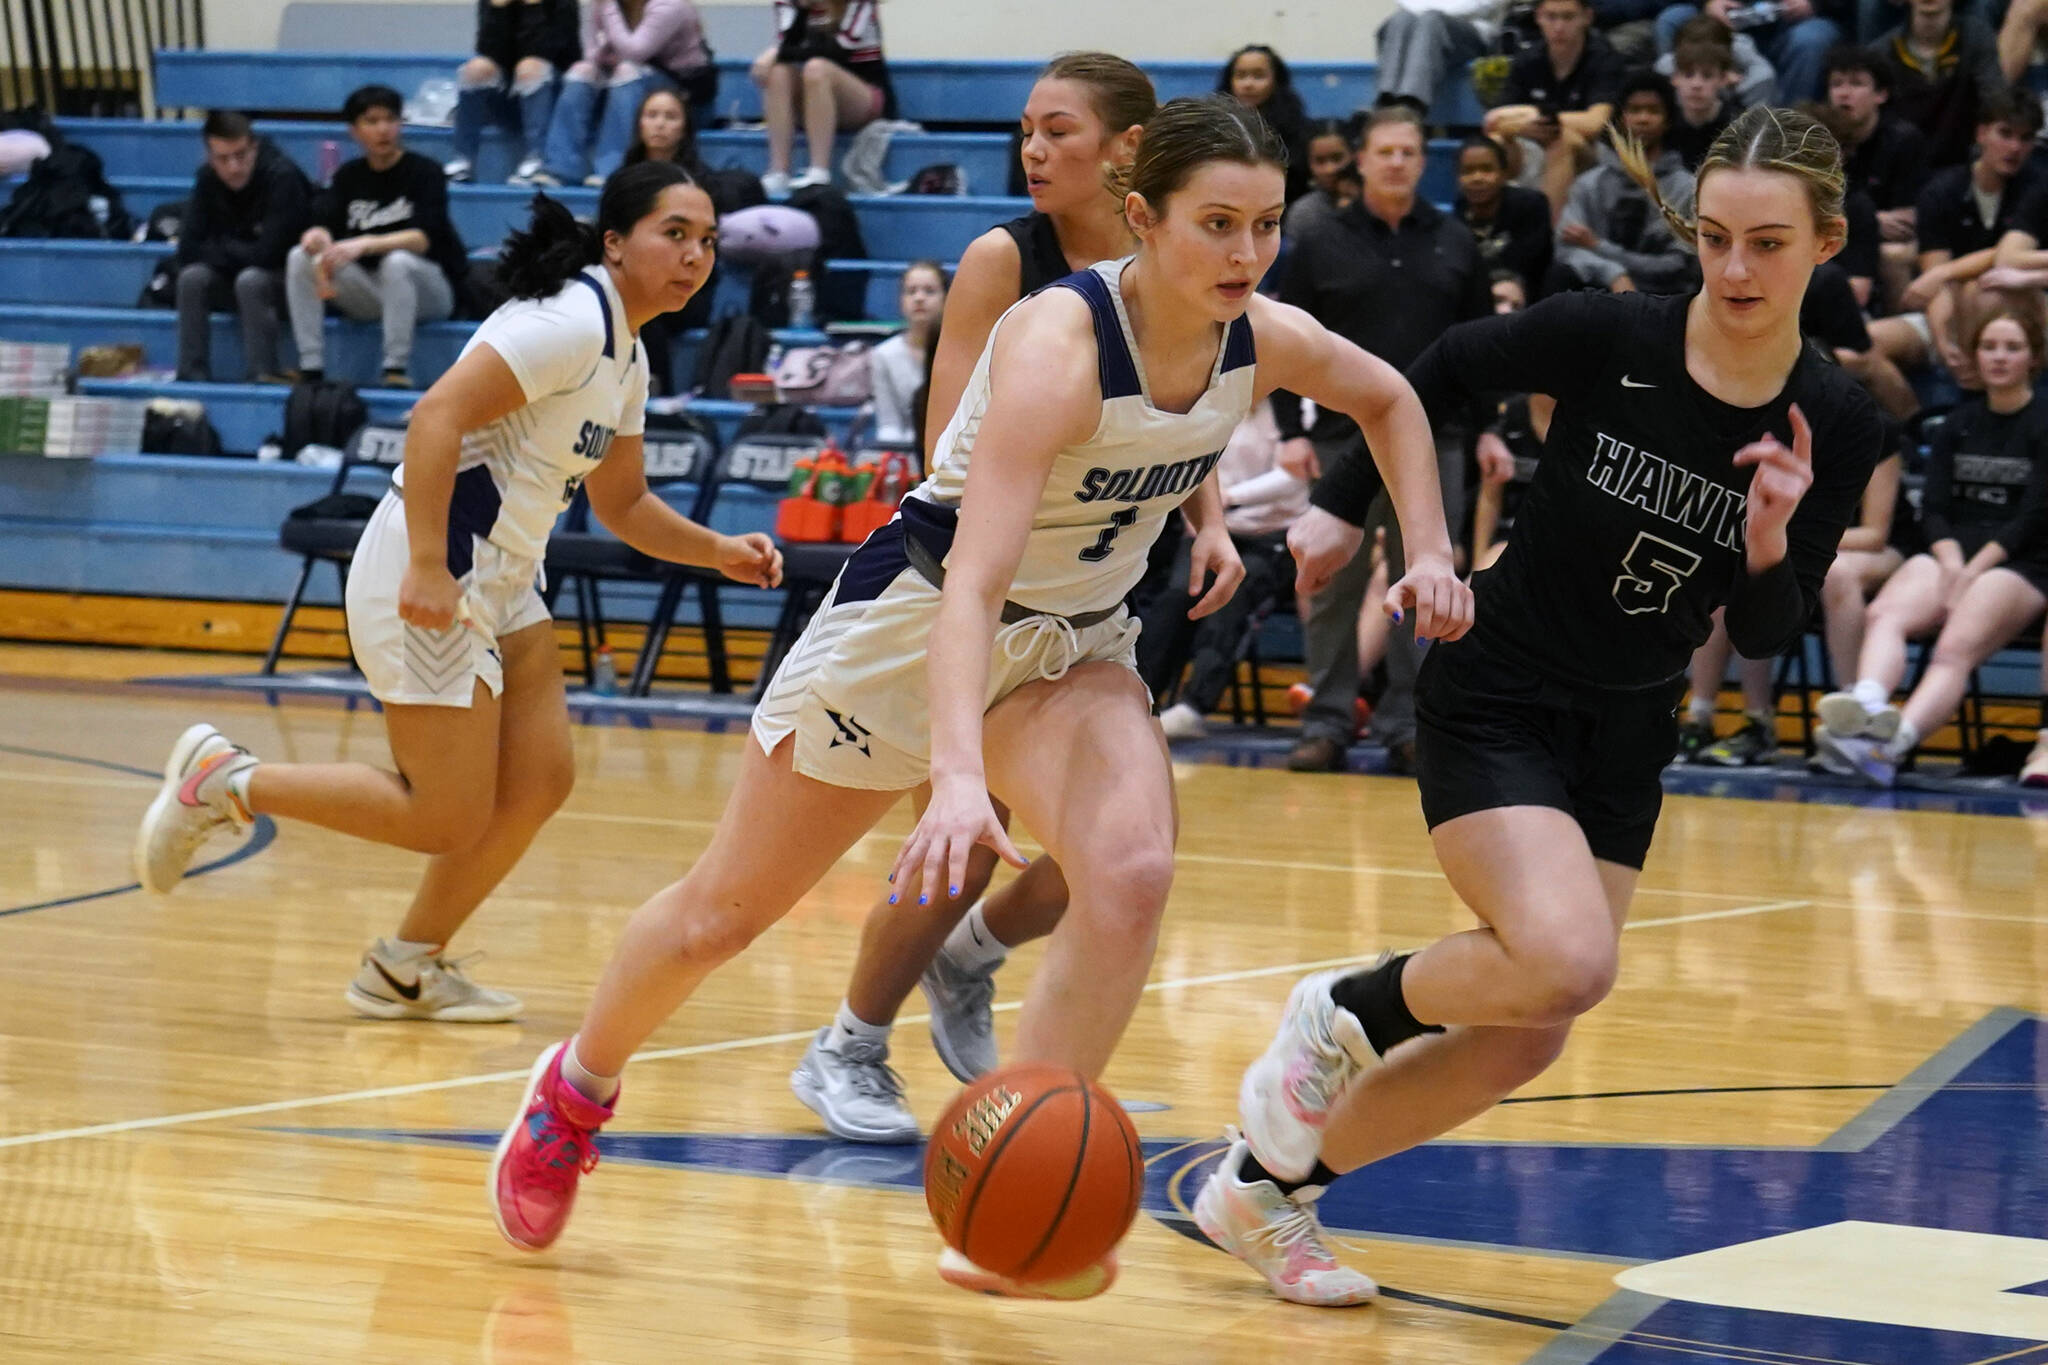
(853, 1090)
(1286, 1095)
(775, 184)
(962, 1273)
(1828, 756)
(1846, 717)
(193, 804)
(816, 175)
(395, 986)
(1278, 1236)
(963, 1025)
(2034, 772)
(1181, 721)
(528, 169)
(459, 171)
(1858, 756)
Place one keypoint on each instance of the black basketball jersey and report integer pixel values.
(1039, 258)
(1632, 530)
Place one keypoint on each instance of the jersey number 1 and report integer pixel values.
(1099, 551)
(1650, 572)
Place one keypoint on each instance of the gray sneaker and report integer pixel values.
(963, 1021)
(853, 1090)
(392, 987)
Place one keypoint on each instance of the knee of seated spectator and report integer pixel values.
(478, 73)
(194, 277)
(767, 71)
(298, 261)
(1843, 586)
(532, 72)
(401, 263)
(818, 71)
(626, 73)
(584, 73)
(252, 281)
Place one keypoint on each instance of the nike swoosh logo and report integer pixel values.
(188, 795)
(411, 992)
(1628, 383)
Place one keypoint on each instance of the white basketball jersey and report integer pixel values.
(585, 381)
(1106, 498)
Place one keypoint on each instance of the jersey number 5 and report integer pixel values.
(1650, 572)
(1099, 551)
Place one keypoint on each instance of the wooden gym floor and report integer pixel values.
(1810, 1125)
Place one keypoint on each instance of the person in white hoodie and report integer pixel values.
(1261, 499)
(1425, 40)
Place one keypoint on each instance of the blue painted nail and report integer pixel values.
(1422, 639)
(924, 900)
(1397, 616)
(953, 892)
(892, 898)
(892, 878)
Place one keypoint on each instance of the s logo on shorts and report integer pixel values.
(852, 733)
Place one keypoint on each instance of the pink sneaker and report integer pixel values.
(1278, 1236)
(551, 1142)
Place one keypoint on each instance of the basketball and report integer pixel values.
(1033, 1172)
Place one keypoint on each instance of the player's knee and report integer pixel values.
(1571, 978)
(541, 790)
(708, 937)
(1521, 1055)
(1130, 885)
(442, 828)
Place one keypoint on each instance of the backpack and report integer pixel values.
(322, 413)
(841, 298)
(167, 221)
(943, 178)
(736, 344)
(162, 289)
(173, 428)
(67, 195)
(780, 419)
(835, 376)
(733, 188)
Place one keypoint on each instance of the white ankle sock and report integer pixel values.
(238, 784)
(1902, 743)
(1700, 711)
(405, 950)
(1872, 693)
(972, 944)
(848, 1027)
(595, 1088)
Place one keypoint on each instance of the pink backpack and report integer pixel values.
(829, 376)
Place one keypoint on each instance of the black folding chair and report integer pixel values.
(326, 531)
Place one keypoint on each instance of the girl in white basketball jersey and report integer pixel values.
(443, 611)
(1099, 406)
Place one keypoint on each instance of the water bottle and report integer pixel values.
(330, 160)
(604, 673)
(803, 304)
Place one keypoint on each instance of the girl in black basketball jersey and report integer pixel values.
(1702, 455)
(1084, 112)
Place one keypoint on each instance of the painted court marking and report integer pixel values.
(729, 1045)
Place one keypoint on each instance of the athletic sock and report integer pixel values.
(1700, 711)
(1375, 997)
(848, 1027)
(973, 945)
(1902, 743)
(593, 1087)
(1251, 1172)
(1872, 694)
(406, 950)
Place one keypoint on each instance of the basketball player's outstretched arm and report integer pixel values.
(475, 392)
(621, 499)
(1043, 396)
(1299, 355)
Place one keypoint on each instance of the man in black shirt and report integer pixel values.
(1884, 155)
(249, 202)
(381, 246)
(1559, 95)
(1390, 273)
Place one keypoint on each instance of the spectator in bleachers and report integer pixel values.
(662, 132)
(1510, 223)
(381, 246)
(1749, 78)
(1611, 235)
(249, 204)
(1703, 80)
(1984, 578)
(1560, 94)
(1975, 226)
(1795, 35)
(630, 48)
(1506, 450)
(1389, 273)
(1424, 42)
(522, 48)
(901, 363)
(1260, 501)
(1257, 77)
(2020, 267)
(827, 68)
(1883, 153)
(1943, 67)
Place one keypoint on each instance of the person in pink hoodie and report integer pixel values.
(630, 48)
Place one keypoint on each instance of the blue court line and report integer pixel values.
(261, 835)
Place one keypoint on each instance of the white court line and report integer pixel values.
(731, 1045)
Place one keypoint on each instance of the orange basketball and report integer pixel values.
(1034, 1172)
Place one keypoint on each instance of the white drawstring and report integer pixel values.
(1021, 638)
